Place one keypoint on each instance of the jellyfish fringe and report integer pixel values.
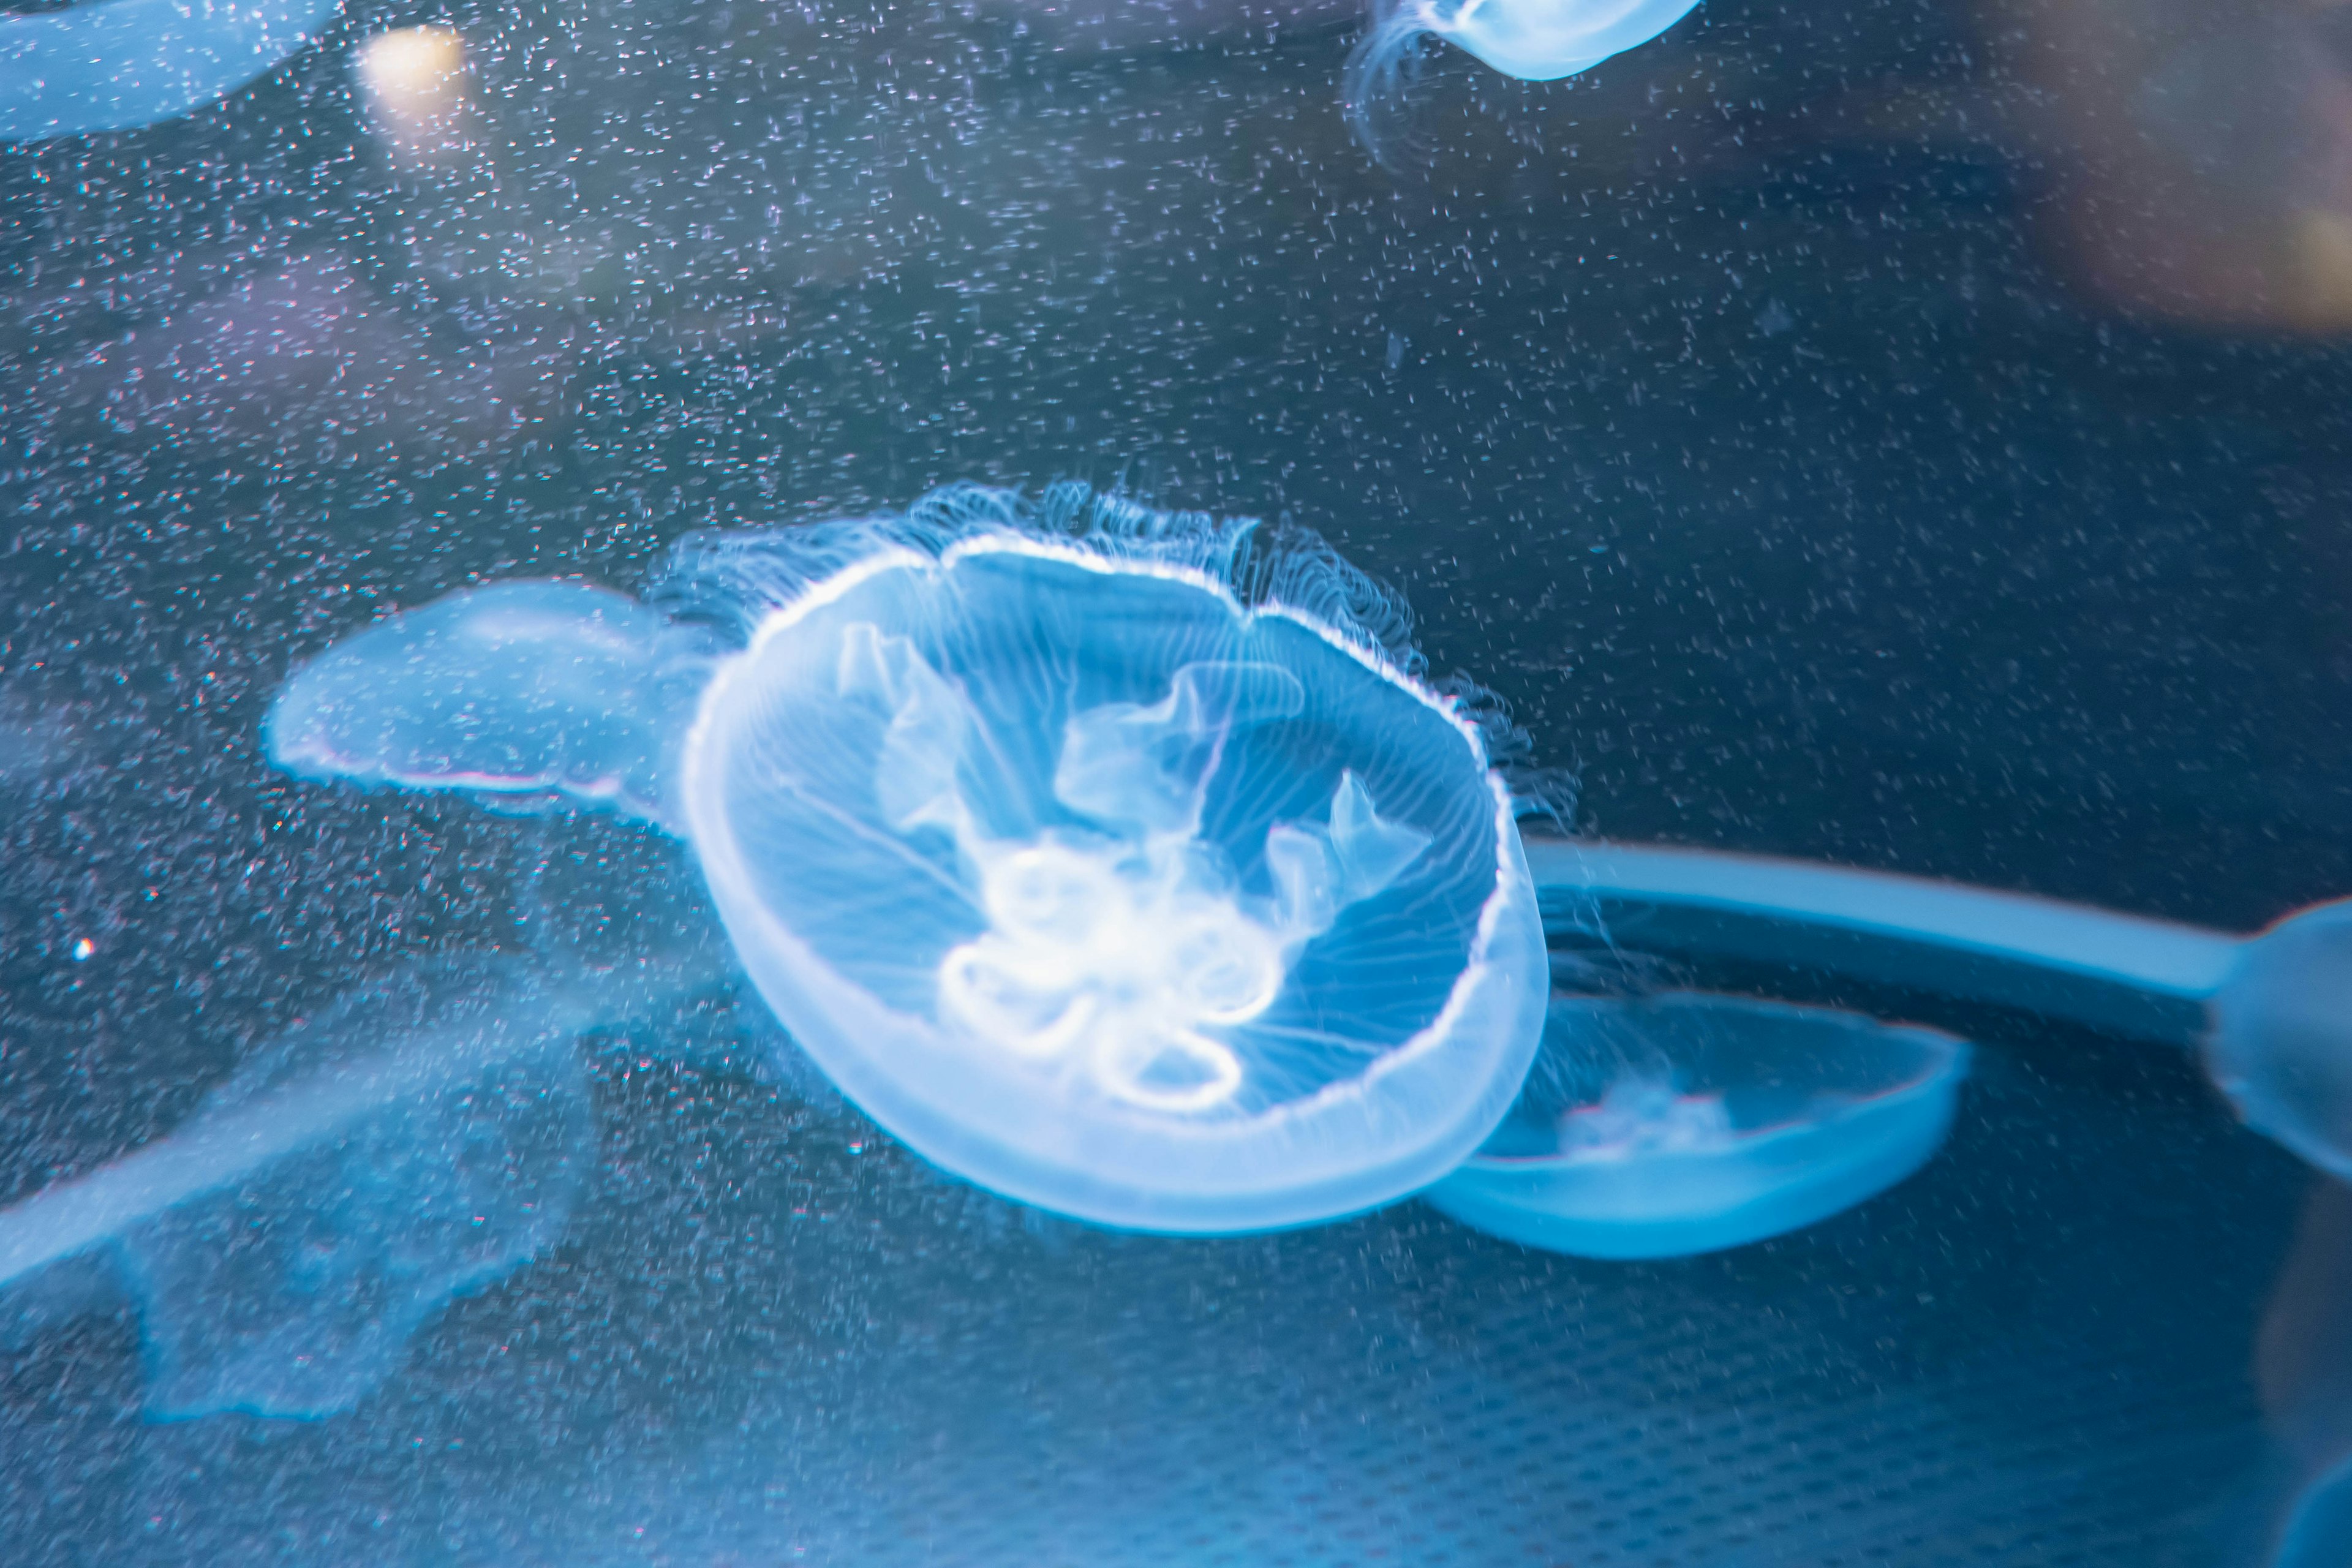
(1381, 69)
(733, 579)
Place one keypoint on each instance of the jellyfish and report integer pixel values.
(419, 1139)
(113, 65)
(1685, 1122)
(2271, 1013)
(1116, 861)
(1535, 40)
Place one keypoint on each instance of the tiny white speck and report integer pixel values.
(82, 948)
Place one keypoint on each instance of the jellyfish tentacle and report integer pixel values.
(1320, 870)
(1381, 70)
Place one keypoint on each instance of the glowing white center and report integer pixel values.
(1114, 964)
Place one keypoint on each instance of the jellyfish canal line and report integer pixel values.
(2143, 979)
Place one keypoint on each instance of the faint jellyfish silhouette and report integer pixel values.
(1686, 1122)
(1115, 860)
(419, 1139)
(114, 65)
(1535, 40)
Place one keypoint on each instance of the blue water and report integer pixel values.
(1747, 435)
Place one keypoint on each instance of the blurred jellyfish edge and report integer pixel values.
(120, 65)
(1120, 861)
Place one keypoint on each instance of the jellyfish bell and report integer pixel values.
(1535, 40)
(1116, 861)
(1686, 1122)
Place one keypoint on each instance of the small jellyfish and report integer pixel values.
(421, 1137)
(113, 65)
(1116, 861)
(1685, 1122)
(1535, 40)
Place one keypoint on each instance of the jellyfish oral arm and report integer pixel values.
(2143, 978)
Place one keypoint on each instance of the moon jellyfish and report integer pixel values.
(1535, 40)
(1686, 1122)
(1116, 861)
(112, 65)
(419, 1139)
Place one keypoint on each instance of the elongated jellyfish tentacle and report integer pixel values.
(112, 65)
(2272, 1012)
(420, 1138)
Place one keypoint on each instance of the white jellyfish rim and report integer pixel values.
(732, 886)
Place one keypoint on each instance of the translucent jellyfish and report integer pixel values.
(1116, 861)
(420, 1138)
(1686, 1122)
(111, 65)
(1535, 40)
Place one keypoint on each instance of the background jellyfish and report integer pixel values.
(1685, 1122)
(111, 65)
(420, 1138)
(1535, 40)
(1112, 861)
